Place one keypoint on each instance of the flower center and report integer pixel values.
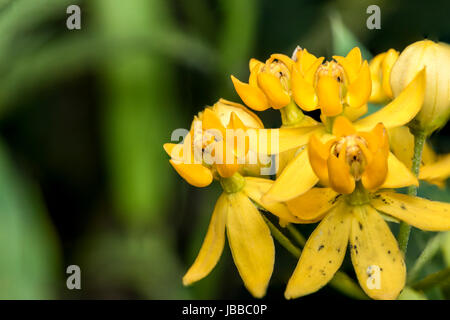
(354, 156)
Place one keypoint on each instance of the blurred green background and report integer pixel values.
(84, 114)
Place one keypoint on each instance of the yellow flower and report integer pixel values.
(380, 71)
(355, 165)
(435, 58)
(188, 157)
(434, 168)
(298, 176)
(269, 84)
(331, 86)
(236, 209)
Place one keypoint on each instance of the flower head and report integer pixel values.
(351, 217)
(236, 210)
(269, 84)
(298, 176)
(205, 152)
(350, 157)
(435, 59)
(331, 86)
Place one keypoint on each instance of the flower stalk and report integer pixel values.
(291, 114)
(405, 229)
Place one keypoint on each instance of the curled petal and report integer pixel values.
(376, 171)
(328, 93)
(358, 92)
(304, 92)
(194, 174)
(318, 154)
(252, 96)
(339, 174)
(273, 89)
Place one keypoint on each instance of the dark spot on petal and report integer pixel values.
(320, 247)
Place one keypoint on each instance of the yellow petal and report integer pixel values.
(420, 213)
(211, 121)
(401, 110)
(283, 58)
(310, 74)
(251, 244)
(297, 178)
(358, 92)
(314, 204)
(377, 260)
(273, 89)
(253, 63)
(377, 95)
(343, 127)
(253, 97)
(355, 113)
(275, 141)
(386, 67)
(398, 175)
(323, 254)
(328, 93)
(318, 153)
(212, 246)
(351, 63)
(305, 60)
(376, 171)
(440, 170)
(224, 108)
(339, 174)
(304, 92)
(194, 174)
(255, 188)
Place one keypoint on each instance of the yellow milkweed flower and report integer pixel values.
(269, 84)
(298, 176)
(331, 86)
(435, 58)
(380, 71)
(235, 212)
(356, 166)
(434, 169)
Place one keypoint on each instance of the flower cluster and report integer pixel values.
(340, 170)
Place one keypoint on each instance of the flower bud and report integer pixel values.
(435, 58)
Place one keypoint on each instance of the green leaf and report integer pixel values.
(29, 257)
(343, 38)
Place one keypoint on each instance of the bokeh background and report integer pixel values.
(84, 114)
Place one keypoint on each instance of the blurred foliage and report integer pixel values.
(84, 114)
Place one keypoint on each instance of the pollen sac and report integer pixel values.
(350, 156)
(269, 84)
(331, 86)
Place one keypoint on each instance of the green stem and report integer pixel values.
(341, 281)
(440, 278)
(296, 235)
(282, 239)
(405, 229)
(427, 254)
(291, 114)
